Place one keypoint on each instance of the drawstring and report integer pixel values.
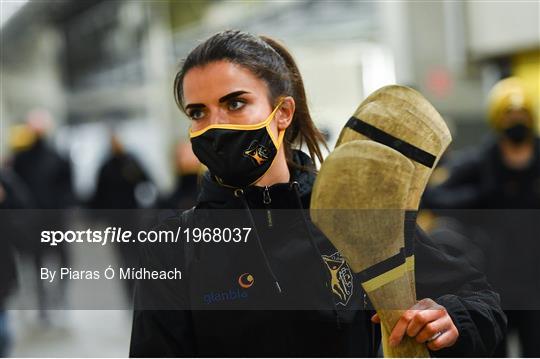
(294, 185)
(239, 193)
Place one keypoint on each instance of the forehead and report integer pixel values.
(208, 83)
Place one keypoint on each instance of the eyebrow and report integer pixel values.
(221, 100)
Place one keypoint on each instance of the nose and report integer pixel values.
(215, 116)
(218, 117)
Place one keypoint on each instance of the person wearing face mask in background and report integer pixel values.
(503, 172)
(503, 176)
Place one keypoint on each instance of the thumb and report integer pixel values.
(375, 318)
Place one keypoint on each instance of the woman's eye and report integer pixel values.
(196, 114)
(235, 105)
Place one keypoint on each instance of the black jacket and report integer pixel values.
(14, 196)
(218, 317)
(117, 181)
(501, 204)
(47, 175)
(479, 179)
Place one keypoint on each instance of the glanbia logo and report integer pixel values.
(246, 280)
(225, 296)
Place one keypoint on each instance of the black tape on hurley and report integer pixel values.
(383, 272)
(410, 151)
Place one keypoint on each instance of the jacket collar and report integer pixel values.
(215, 196)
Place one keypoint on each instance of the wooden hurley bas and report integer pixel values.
(401, 118)
(358, 201)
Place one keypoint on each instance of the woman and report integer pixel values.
(248, 110)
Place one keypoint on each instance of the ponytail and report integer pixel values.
(302, 129)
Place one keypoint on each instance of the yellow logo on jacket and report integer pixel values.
(341, 278)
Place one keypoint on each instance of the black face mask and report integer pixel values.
(518, 133)
(237, 155)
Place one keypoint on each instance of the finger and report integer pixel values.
(446, 339)
(422, 318)
(429, 330)
(401, 326)
(375, 319)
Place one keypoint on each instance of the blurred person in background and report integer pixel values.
(503, 173)
(447, 227)
(13, 195)
(121, 185)
(188, 169)
(48, 177)
(47, 174)
(119, 179)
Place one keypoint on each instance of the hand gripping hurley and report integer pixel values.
(358, 201)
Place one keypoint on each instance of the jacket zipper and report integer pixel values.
(365, 301)
(267, 200)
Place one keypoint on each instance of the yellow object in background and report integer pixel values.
(508, 94)
(21, 137)
(526, 66)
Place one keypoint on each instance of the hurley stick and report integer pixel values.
(403, 119)
(358, 201)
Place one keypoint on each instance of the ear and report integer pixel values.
(285, 113)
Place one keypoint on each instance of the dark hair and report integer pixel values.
(270, 61)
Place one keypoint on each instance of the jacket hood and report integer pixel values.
(215, 196)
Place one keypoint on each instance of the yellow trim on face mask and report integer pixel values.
(228, 126)
(277, 142)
